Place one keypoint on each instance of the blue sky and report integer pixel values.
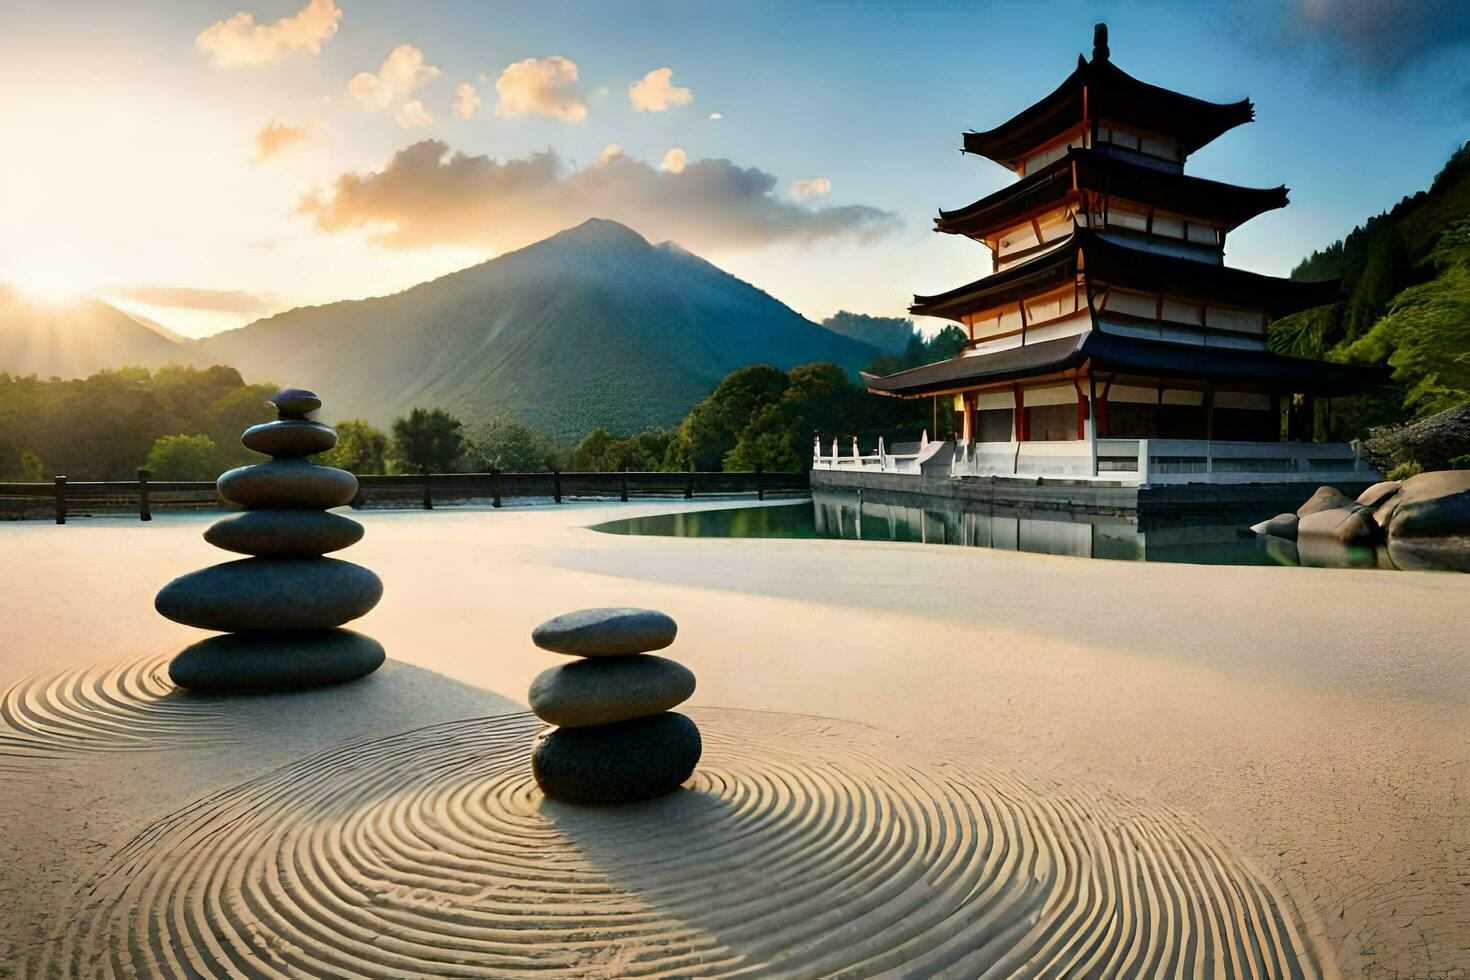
(137, 171)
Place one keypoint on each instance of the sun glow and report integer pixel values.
(49, 286)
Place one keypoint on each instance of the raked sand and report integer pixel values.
(918, 759)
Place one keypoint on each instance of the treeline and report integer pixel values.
(1406, 280)
(184, 423)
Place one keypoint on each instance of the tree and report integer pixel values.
(426, 437)
(360, 449)
(183, 458)
(234, 411)
(599, 452)
(510, 446)
(775, 440)
(713, 426)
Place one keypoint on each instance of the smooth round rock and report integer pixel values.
(1280, 526)
(255, 594)
(241, 663)
(1326, 498)
(604, 690)
(295, 403)
(620, 763)
(606, 632)
(284, 533)
(287, 484)
(288, 439)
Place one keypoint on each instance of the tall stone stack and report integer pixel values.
(616, 740)
(279, 609)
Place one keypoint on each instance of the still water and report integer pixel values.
(946, 522)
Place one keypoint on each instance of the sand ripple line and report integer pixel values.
(115, 705)
(802, 847)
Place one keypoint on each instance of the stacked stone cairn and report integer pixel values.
(279, 609)
(616, 740)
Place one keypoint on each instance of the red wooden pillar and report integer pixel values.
(1104, 424)
(1023, 432)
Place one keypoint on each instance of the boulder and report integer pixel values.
(284, 533)
(619, 763)
(1352, 524)
(257, 662)
(1378, 493)
(288, 484)
(289, 439)
(603, 690)
(1326, 498)
(1280, 526)
(606, 632)
(268, 594)
(1430, 524)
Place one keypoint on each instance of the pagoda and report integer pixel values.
(1110, 313)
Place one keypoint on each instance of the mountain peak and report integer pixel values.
(601, 232)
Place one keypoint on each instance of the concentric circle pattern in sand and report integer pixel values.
(116, 705)
(802, 847)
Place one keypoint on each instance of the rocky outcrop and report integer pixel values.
(1419, 523)
(1431, 443)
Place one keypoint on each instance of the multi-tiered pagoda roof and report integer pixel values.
(1109, 263)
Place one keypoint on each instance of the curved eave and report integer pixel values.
(1112, 94)
(1109, 262)
(1058, 264)
(1196, 197)
(1112, 354)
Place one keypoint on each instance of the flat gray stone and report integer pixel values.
(295, 403)
(287, 484)
(284, 533)
(255, 594)
(619, 763)
(603, 690)
(606, 632)
(288, 439)
(243, 663)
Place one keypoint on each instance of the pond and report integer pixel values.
(950, 522)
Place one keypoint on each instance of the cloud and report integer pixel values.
(190, 298)
(1382, 37)
(427, 196)
(717, 115)
(275, 137)
(656, 92)
(412, 115)
(401, 72)
(466, 101)
(810, 187)
(544, 86)
(675, 161)
(609, 153)
(239, 40)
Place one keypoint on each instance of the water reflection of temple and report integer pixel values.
(935, 520)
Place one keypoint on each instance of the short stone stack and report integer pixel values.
(616, 740)
(280, 608)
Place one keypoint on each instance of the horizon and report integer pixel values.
(288, 153)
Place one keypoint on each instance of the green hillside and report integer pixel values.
(593, 327)
(1406, 277)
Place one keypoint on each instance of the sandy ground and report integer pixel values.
(1313, 724)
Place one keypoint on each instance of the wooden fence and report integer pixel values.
(61, 497)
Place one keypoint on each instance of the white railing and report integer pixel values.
(1133, 462)
(881, 461)
(1166, 461)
